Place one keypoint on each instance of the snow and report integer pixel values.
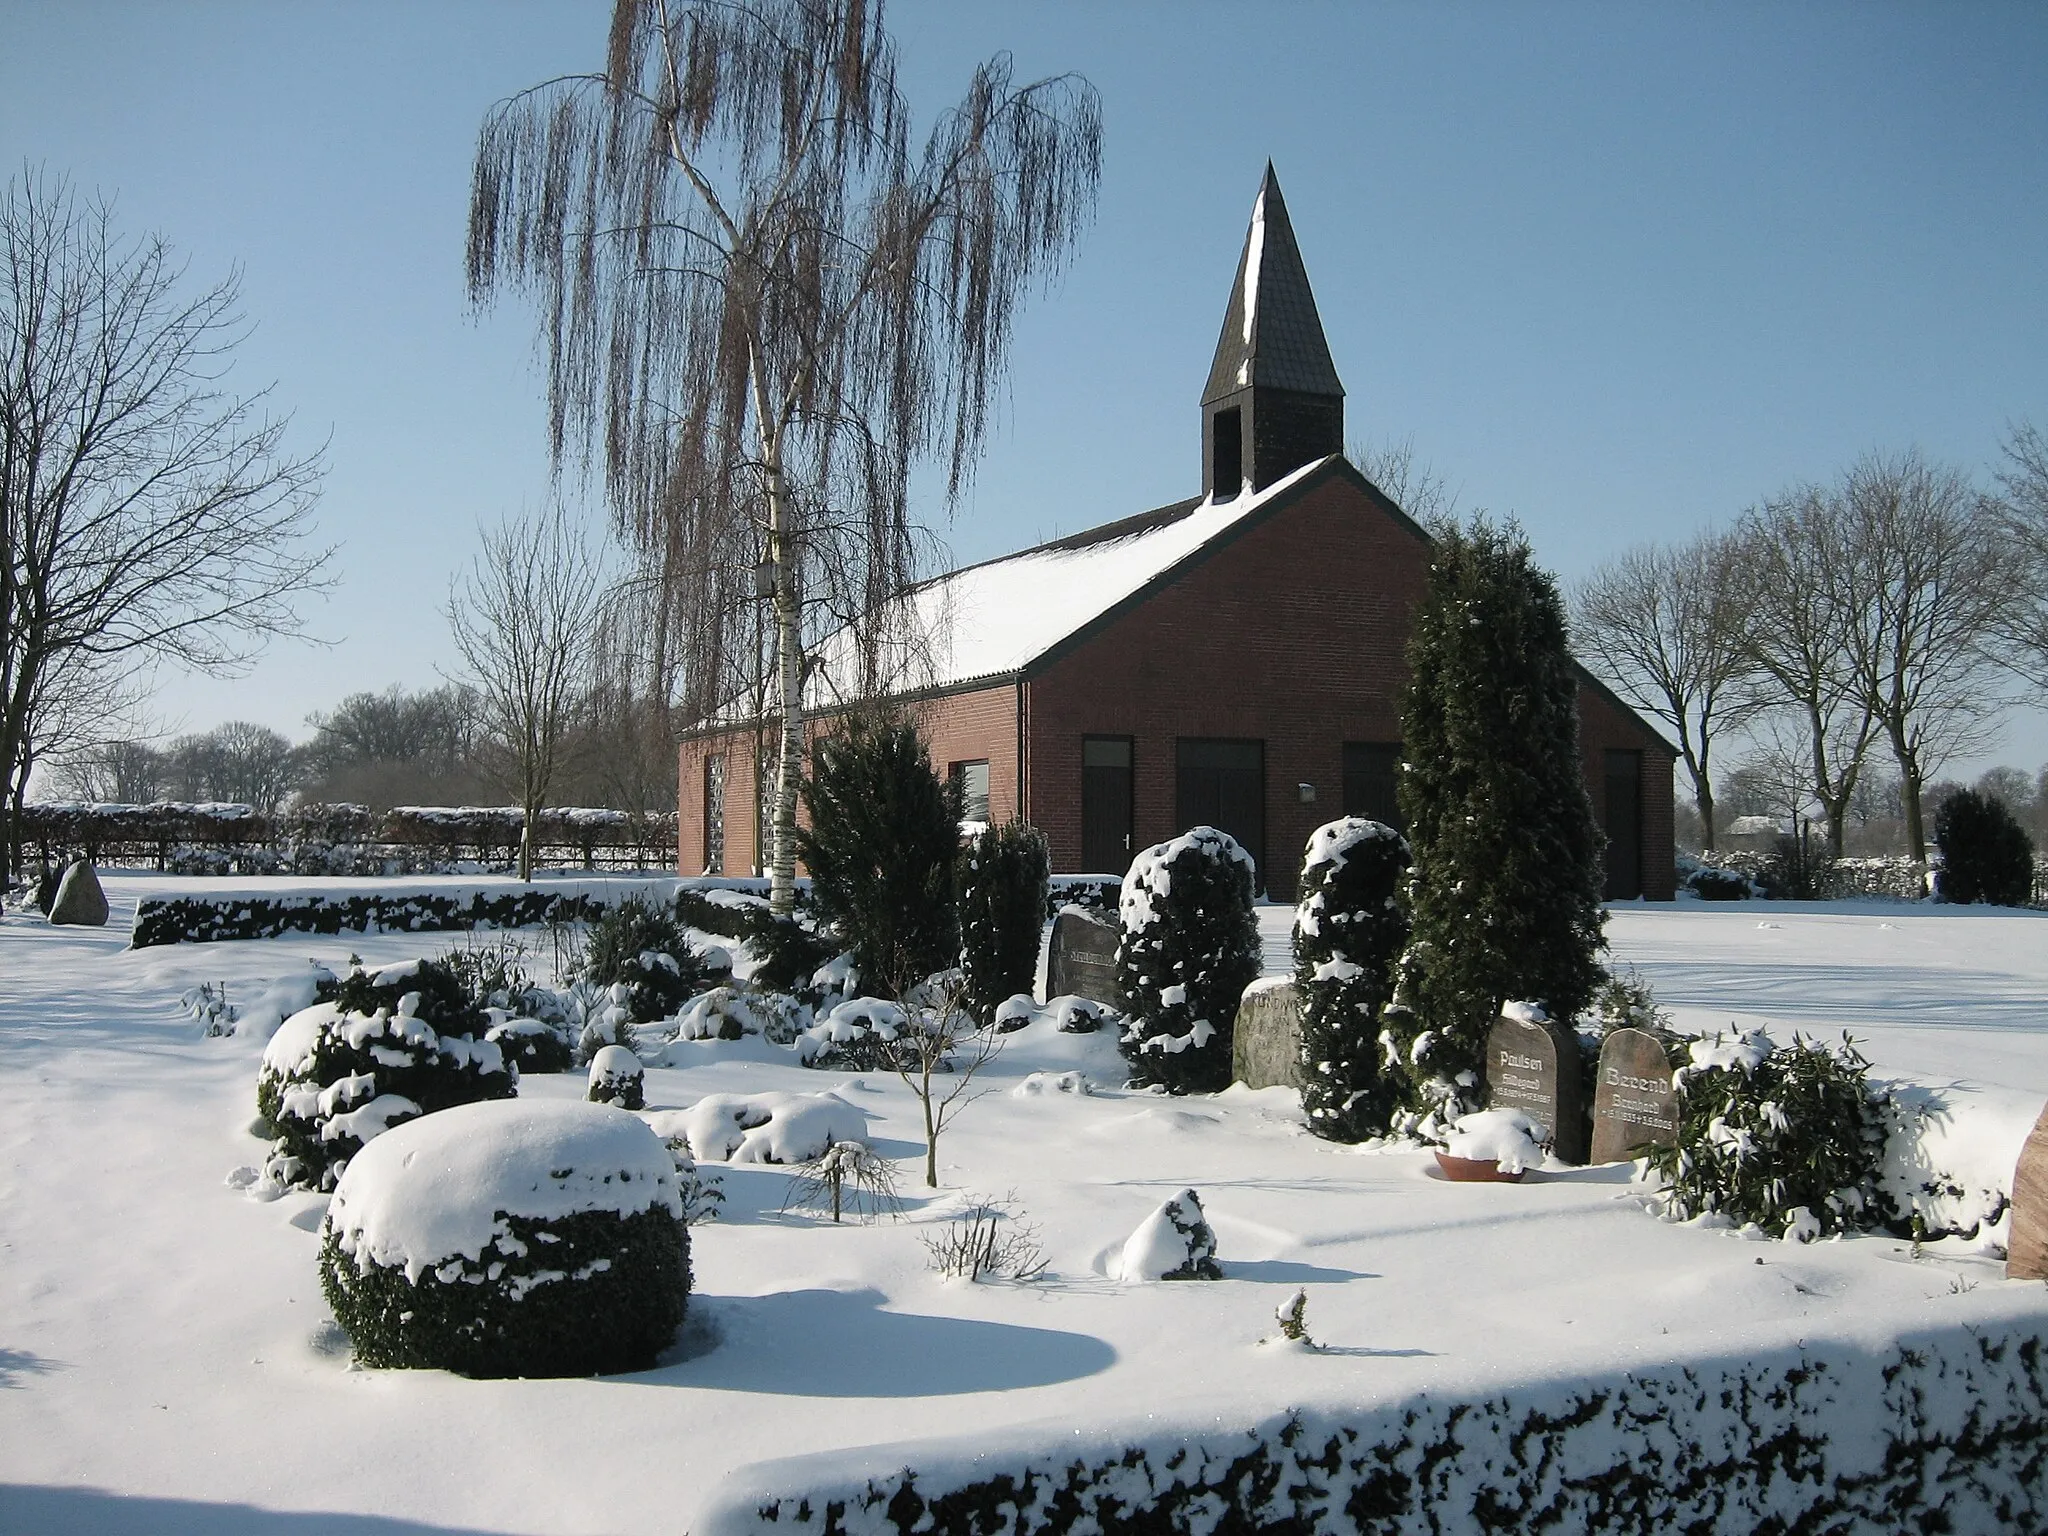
(765, 1127)
(1167, 1242)
(168, 1362)
(1507, 1136)
(440, 1186)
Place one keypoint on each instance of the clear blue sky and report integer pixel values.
(1618, 269)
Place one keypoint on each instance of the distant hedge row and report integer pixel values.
(207, 920)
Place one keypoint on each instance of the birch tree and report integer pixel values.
(760, 303)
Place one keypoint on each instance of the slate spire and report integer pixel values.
(1273, 401)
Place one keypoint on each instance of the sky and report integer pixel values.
(1619, 270)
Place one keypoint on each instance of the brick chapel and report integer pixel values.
(1234, 659)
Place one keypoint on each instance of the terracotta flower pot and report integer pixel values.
(1475, 1170)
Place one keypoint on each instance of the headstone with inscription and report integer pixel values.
(2026, 1246)
(1534, 1067)
(1083, 958)
(1265, 1050)
(1634, 1104)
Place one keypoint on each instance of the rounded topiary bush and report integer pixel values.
(1002, 877)
(534, 1045)
(1190, 947)
(1348, 930)
(643, 949)
(393, 1045)
(509, 1239)
(617, 1077)
(1985, 853)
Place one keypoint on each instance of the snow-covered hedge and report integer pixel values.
(1189, 948)
(241, 915)
(509, 1239)
(1940, 1431)
(392, 1046)
(1790, 1138)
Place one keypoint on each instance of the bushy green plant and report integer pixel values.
(883, 829)
(534, 1045)
(1504, 896)
(393, 1045)
(1986, 854)
(1348, 930)
(1003, 878)
(1798, 868)
(642, 948)
(1188, 949)
(787, 951)
(1790, 1138)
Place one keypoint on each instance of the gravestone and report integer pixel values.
(80, 901)
(1535, 1068)
(1634, 1104)
(1083, 958)
(1265, 1052)
(2026, 1246)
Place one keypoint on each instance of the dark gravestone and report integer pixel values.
(1265, 1052)
(80, 901)
(1535, 1068)
(1634, 1104)
(1083, 958)
(2026, 1247)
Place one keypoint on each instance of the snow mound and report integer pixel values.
(1950, 1153)
(763, 1127)
(1044, 1084)
(1175, 1242)
(1507, 1136)
(438, 1187)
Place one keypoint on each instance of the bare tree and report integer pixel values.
(2023, 479)
(146, 511)
(760, 305)
(1932, 579)
(395, 747)
(937, 1052)
(1414, 487)
(122, 772)
(1666, 627)
(1810, 618)
(239, 762)
(521, 617)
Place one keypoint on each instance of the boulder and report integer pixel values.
(80, 901)
(1265, 1051)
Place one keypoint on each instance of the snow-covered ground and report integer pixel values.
(167, 1362)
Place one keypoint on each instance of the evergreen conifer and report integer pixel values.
(1348, 931)
(1003, 877)
(1504, 895)
(1986, 854)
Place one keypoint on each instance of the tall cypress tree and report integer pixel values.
(1348, 930)
(1504, 895)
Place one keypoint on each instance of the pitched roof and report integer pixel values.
(1272, 335)
(991, 621)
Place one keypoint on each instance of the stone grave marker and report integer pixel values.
(1265, 1052)
(1535, 1068)
(1083, 958)
(1634, 1104)
(80, 900)
(2026, 1248)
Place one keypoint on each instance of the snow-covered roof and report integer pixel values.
(993, 620)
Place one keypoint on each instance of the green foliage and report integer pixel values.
(1189, 948)
(1986, 854)
(787, 951)
(498, 1315)
(1348, 930)
(399, 1046)
(1504, 896)
(534, 1045)
(1003, 879)
(1791, 1138)
(883, 832)
(642, 948)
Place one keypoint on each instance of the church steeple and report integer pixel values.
(1273, 401)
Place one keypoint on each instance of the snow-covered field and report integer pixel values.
(167, 1362)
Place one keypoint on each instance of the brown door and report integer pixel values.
(1624, 825)
(1372, 777)
(1222, 784)
(1105, 805)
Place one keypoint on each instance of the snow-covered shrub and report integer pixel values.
(762, 1127)
(1189, 948)
(531, 1045)
(701, 1193)
(1348, 930)
(1504, 1136)
(988, 1238)
(616, 1077)
(1002, 878)
(509, 1240)
(788, 952)
(642, 949)
(1985, 853)
(208, 1004)
(1790, 1138)
(859, 1035)
(393, 1045)
(733, 1013)
(207, 919)
(1175, 1242)
(1712, 884)
(882, 833)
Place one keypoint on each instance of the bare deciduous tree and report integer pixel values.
(760, 305)
(1666, 627)
(522, 617)
(2023, 478)
(1413, 486)
(147, 512)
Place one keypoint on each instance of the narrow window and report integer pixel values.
(972, 779)
(1226, 453)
